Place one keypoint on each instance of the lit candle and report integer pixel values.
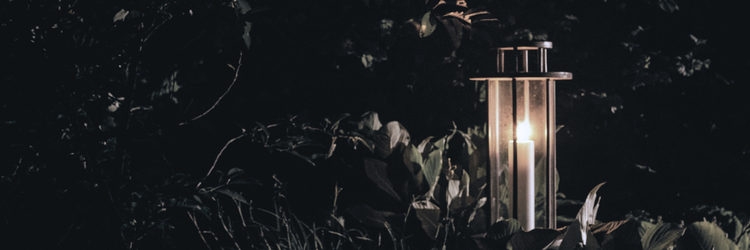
(525, 179)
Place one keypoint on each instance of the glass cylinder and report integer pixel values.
(521, 99)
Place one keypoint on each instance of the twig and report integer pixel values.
(224, 225)
(218, 156)
(236, 74)
(195, 222)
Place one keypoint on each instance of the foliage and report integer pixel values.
(110, 111)
(625, 234)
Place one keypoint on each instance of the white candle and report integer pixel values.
(526, 194)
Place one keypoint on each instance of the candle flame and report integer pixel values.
(524, 131)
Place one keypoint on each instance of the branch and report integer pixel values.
(236, 74)
(218, 156)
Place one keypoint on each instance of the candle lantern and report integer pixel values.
(521, 103)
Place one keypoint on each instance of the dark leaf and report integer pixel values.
(429, 216)
(370, 216)
(618, 234)
(500, 233)
(534, 239)
(455, 27)
(307, 159)
(377, 171)
(245, 181)
(234, 172)
(233, 194)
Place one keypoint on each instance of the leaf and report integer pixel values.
(413, 159)
(618, 234)
(397, 133)
(668, 5)
(307, 159)
(246, 33)
(704, 235)
(428, 25)
(662, 236)
(744, 242)
(534, 239)
(245, 181)
(234, 172)
(233, 194)
(377, 171)
(734, 229)
(432, 166)
(120, 15)
(370, 122)
(429, 216)
(455, 27)
(243, 6)
(502, 231)
(578, 231)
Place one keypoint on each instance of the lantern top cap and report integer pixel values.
(526, 45)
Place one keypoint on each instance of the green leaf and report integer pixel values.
(704, 235)
(432, 166)
(428, 25)
(662, 236)
(413, 159)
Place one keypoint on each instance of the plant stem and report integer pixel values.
(217, 158)
(200, 233)
(236, 75)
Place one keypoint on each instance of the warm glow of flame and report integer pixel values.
(524, 131)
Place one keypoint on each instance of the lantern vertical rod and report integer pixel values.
(514, 193)
(515, 54)
(525, 60)
(542, 62)
(501, 61)
(494, 171)
(544, 55)
(551, 177)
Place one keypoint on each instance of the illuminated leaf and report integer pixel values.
(120, 15)
(428, 25)
(703, 235)
(662, 236)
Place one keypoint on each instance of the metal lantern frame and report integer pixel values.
(521, 91)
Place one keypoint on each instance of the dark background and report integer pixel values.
(639, 113)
